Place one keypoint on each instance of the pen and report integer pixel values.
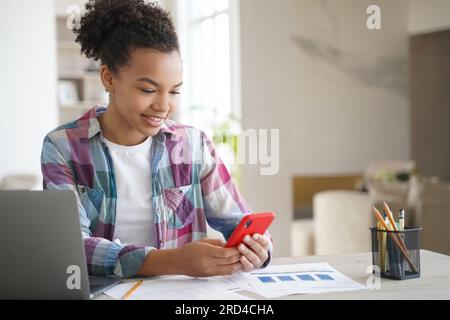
(401, 228)
(401, 220)
(130, 292)
(386, 256)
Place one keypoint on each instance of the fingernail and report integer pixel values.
(242, 247)
(247, 238)
(256, 236)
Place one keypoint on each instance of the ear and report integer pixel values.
(107, 78)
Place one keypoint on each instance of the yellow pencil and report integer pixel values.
(382, 247)
(133, 289)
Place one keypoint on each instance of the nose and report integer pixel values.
(161, 103)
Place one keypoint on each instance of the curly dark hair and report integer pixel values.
(110, 29)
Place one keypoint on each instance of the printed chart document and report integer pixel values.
(271, 282)
(282, 280)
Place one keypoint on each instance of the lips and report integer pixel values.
(153, 121)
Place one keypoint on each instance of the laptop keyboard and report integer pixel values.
(97, 283)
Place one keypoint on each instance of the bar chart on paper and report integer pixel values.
(282, 280)
(296, 277)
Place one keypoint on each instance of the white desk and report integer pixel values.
(433, 284)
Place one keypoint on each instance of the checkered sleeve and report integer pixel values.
(103, 257)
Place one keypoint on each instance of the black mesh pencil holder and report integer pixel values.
(396, 255)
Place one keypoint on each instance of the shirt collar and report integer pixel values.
(89, 126)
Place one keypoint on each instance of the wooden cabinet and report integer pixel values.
(430, 103)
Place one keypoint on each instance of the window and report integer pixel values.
(208, 31)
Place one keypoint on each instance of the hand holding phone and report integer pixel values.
(249, 225)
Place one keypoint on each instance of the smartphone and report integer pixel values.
(249, 225)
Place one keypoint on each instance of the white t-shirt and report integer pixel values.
(134, 214)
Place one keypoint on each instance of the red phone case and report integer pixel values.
(249, 225)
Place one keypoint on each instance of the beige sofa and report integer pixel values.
(340, 224)
(20, 182)
(341, 219)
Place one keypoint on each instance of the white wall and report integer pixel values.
(62, 6)
(350, 86)
(28, 82)
(266, 104)
(337, 91)
(428, 16)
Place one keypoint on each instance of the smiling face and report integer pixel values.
(143, 94)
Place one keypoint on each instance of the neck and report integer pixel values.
(117, 130)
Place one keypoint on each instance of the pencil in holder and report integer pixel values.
(396, 254)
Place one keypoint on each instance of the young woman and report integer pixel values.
(146, 186)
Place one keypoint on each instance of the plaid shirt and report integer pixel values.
(190, 187)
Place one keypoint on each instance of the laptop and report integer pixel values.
(42, 249)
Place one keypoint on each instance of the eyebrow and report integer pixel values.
(153, 82)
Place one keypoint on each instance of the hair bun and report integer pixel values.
(109, 28)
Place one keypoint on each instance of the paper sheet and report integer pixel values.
(180, 288)
(271, 282)
(281, 280)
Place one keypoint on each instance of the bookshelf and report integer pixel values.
(79, 84)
